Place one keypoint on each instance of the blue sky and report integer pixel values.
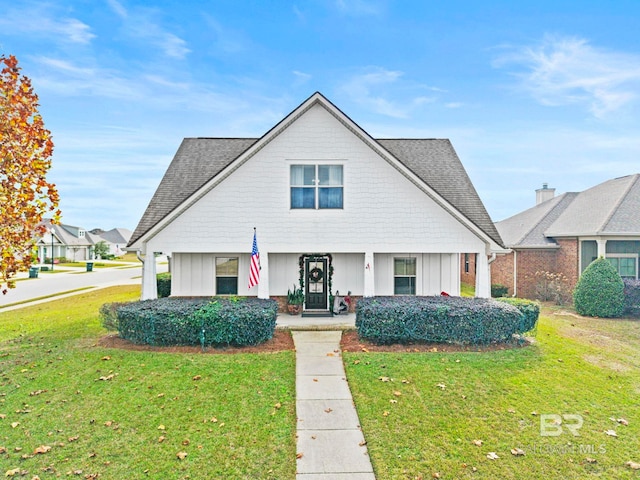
(528, 92)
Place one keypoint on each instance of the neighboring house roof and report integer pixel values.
(610, 208)
(116, 236)
(199, 160)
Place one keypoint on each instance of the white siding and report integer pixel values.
(435, 273)
(383, 210)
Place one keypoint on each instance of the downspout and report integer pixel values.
(515, 273)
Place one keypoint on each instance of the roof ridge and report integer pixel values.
(560, 199)
(619, 202)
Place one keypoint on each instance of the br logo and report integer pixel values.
(552, 425)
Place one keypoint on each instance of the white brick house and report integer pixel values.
(389, 216)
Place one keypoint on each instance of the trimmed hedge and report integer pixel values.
(163, 281)
(528, 308)
(498, 290)
(632, 297)
(217, 321)
(600, 291)
(460, 320)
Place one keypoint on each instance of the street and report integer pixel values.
(64, 279)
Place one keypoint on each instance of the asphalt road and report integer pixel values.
(71, 279)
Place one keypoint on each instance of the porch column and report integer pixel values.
(149, 282)
(483, 276)
(263, 284)
(602, 247)
(369, 277)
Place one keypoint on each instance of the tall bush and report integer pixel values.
(163, 281)
(632, 297)
(600, 291)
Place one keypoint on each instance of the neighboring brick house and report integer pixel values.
(564, 234)
(331, 205)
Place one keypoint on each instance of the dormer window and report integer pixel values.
(316, 186)
(80, 233)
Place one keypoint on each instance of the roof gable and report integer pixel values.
(201, 163)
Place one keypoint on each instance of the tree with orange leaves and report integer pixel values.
(25, 158)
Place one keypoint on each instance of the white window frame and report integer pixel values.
(624, 255)
(316, 183)
(414, 276)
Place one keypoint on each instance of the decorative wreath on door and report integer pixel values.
(316, 275)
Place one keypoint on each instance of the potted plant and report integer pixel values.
(295, 299)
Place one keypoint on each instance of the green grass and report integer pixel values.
(467, 290)
(587, 367)
(101, 410)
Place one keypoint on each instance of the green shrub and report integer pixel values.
(198, 321)
(461, 320)
(600, 291)
(528, 308)
(163, 280)
(498, 290)
(632, 297)
(109, 315)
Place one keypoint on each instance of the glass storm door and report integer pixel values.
(316, 284)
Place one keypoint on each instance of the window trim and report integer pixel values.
(624, 255)
(414, 276)
(217, 276)
(316, 183)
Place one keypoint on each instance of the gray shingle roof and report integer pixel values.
(612, 207)
(198, 160)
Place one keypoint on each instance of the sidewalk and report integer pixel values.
(330, 443)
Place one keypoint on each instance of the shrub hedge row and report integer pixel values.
(217, 321)
(386, 320)
(632, 297)
(528, 308)
(163, 281)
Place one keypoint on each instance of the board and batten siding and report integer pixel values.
(435, 273)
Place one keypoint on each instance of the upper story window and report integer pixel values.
(316, 186)
(80, 233)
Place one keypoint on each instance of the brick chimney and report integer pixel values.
(545, 193)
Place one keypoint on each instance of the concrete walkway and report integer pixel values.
(330, 443)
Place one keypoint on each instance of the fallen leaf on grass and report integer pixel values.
(633, 465)
(15, 424)
(518, 452)
(161, 438)
(591, 460)
(384, 379)
(277, 406)
(181, 455)
(3, 449)
(197, 377)
(477, 443)
(393, 400)
(611, 433)
(492, 456)
(441, 386)
(622, 421)
(162, 427)
(105, 358)
(11, 473)
(42, 449)
(37, 392)
(385, 413)
(397, 393)
(73, 439)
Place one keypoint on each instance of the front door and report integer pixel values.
(316, 283)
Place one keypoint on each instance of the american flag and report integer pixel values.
(254, 268)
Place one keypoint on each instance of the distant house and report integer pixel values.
(565, 233)
(76, 243)
(332, 206)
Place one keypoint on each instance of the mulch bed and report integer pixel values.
(283, 341)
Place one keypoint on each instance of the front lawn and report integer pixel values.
(446, 413)
(71, 407)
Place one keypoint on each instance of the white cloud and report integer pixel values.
(359, 7)
(363, 88)
(568, 70)
(40, 21)
(118, 8)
